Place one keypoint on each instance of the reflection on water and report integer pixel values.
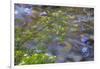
(72, 39)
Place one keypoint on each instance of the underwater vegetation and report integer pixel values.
(53, 34)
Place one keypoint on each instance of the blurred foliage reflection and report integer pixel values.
(53, 34)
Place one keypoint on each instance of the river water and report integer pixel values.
(81, 28)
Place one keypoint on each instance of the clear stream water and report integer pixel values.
(77, 49)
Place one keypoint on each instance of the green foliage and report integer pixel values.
(38, 59)
(18, 56)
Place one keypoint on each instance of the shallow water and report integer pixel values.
(79, 24)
